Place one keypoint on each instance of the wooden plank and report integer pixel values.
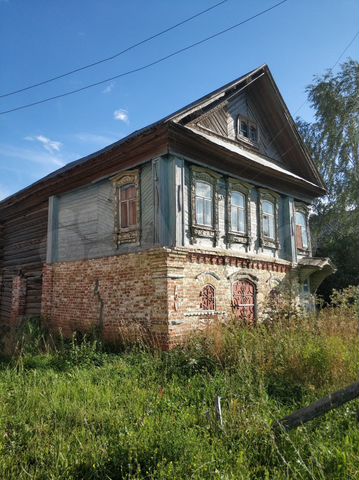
(318, 408)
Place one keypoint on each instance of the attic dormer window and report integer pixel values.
(247, 129)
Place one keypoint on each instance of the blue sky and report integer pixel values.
(43, 38)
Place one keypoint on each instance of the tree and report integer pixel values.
(333, 140)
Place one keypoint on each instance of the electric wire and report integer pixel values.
(112, 57)
(148, 65)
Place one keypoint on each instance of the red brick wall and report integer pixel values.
(157, 291)
(126, 293)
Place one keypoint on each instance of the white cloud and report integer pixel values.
(44, 159)
(121, 115)
(109, 87)
(50, 146)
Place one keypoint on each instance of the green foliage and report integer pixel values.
(333, 140)
(76, 412)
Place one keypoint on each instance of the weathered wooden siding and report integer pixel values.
(223, 121)
(23, 253)
(83, 221)
(216, 121)
(285, 250)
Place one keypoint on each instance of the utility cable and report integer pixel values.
(144, 67)
(112, 57)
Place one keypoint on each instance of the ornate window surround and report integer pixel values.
(128, 234)
(234, 185)
(210, 177)
(302, 208)
(273, 197)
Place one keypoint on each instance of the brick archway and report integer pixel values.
(244, 300)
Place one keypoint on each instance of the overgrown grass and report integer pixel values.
(81, 413)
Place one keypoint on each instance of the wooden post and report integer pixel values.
(318, 408)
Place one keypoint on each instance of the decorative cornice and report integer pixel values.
(238, 262)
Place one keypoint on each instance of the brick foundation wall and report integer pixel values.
(157, 291)
(190, 271)
(123, 296)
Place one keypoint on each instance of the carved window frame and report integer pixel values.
(304, 209)
(265, 241)
(131, 234)
(198, 230)
(245, 189)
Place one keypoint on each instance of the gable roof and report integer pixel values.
(261, 84)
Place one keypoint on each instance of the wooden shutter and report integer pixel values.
(299, 236)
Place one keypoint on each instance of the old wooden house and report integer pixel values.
(195, 218)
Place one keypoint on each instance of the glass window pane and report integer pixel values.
(266, 225)
(127, 191)
(124, 217)
(203, 190)
(237, 199)
(131, 191)
(268, 207)
(242, 221)
(253, 133)
(132, 212)
(234, 219)
(271, 227)
(300, 219)
(199, 210)
(208, 213)
(244, 128)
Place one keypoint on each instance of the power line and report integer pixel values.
(306, 101)
(144, 67)
(107, 59)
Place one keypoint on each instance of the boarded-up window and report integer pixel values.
(208, 298)
(243, 300)
(301, 230)
(128, 210)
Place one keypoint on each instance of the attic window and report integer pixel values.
(247, 129)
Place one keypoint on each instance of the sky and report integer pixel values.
(44, 38)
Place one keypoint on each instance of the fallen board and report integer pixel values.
(318, 408)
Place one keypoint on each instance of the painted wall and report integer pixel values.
(183, 222)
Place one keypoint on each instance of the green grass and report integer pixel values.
(83, 414)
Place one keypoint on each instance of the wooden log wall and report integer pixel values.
(23, 251)
(24, 216)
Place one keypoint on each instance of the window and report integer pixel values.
(301, 230)
(128, 213)
(208, 298)
(243, 128)
(204, 204)
(127, 202)
(244, 300)
(268, 219)
(247, 129)
(238, 212)
(253, 133)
